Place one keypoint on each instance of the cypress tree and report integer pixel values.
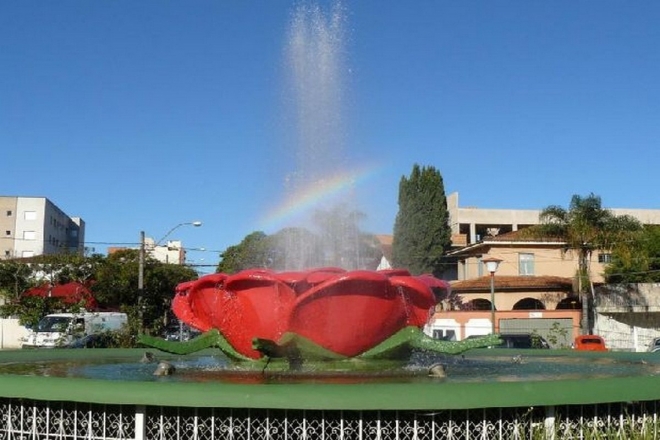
(421, 229)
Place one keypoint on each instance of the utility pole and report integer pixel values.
(141, 262)
(140, 299)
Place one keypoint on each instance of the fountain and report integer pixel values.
(321, 314)
(280, 352)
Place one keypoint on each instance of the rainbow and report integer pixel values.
(315, 194)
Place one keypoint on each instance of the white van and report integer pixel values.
(61, 329)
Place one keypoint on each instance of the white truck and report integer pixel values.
(62, 329)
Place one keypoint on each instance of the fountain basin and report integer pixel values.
(403, 394)
(162, 408)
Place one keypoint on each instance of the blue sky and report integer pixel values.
(139, 115)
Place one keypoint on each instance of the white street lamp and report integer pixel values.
(491, 266)
(195, 223)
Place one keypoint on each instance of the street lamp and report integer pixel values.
(141, 257)
(491, 266)
(195, 223)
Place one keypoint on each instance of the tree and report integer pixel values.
(113, 280)
(585, 227)
(18, 276)
(160, 280)
(638, 260)
(256, 250)
(116, 280)
(116, 287)
(421, 229)
(15, 278)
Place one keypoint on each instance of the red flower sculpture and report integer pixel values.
(344, 312)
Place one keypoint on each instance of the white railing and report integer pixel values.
(24, 419)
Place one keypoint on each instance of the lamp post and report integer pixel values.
(195, 223)
(491, 265)
(141, 258)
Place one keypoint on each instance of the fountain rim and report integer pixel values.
(369, 396)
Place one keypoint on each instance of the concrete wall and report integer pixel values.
(628, 315)
(11, 333)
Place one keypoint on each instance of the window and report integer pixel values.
(605, 258)
(29, 235)
(30, 215)
(7, 233)
(444, 335)
(9, 213)
(525, 264)
(7, 254)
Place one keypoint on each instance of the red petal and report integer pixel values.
(350, 313)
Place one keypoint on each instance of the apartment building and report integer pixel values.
(170, 253)
(32, 226)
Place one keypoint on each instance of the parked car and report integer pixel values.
(589, 343)
(180, 332)
(522, 340)
(95, 340)
(654, 345)
(63, 329)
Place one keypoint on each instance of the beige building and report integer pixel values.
(533, 273)
(492, 233)
(523, 257)
(535, 280)
(471, 224)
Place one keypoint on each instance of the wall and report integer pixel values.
(30, 247)
(10, 333)
(471, 323)
(473, 222)
(551, 261)
(7, 226)
(506, 300)
(628, 315)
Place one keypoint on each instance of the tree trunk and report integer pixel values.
(585, 295)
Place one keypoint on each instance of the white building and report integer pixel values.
(171, 252)
(32, 226)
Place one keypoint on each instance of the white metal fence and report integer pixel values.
(25, 420)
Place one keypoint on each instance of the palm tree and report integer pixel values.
(585, 227)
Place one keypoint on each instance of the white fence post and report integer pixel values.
(549, 422)
(140, 425)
